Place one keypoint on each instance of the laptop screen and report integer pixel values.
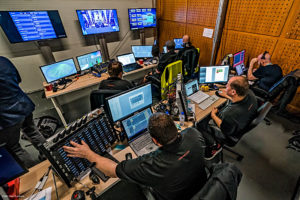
(136, 123)
(191, 87)
(126, 59)
(178, 43)
(125, 104)
(142, 51)
(238, 58)
(165, 49)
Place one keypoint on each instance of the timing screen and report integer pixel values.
(142, 51)
(130, 102)
(126, 59)
(9, 166)
(142, 18)
(35, 25)
(178, 43)
(59, 70)
(137, 123)
(89, 60)
(238, 58)
(191, 88)
(98, 21)
(213, 74)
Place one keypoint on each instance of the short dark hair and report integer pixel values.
(162, 128)
(114, 68)
(170, 45)
(240, 85)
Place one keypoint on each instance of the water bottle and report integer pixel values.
(181, 118)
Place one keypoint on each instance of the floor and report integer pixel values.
(270, 171)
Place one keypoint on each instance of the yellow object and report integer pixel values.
(174, 69)
(204, 88)
(197, 68)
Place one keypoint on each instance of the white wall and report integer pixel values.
(27, 56)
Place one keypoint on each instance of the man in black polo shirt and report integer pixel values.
(267, 74)
(174, 171)
(115, 81)
(226, 124)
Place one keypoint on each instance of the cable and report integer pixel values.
(115, 51)
(55, 184)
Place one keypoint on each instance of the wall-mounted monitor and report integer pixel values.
(59, 70)
(140, 18)
(88, 60)
(24, 26)
(98, 21)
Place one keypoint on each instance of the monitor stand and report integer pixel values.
(64, 81)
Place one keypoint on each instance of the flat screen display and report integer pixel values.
(126, 59)
(140, 18)
(142, 51)
(98, 21)
(127, 103)
(178, 43)
(87, 61)
(191, 87)
(24, 26)
(214, 74)
(58, 70)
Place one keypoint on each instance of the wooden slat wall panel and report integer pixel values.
(265, 17)
(174, 10)
(202, 12)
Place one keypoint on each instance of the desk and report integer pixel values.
(139, 73)
(29, 180)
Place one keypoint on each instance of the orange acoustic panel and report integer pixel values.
(294, 30)
(174, 10)
(265, 17)
(202, 12)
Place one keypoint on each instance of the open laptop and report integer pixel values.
(239, 62)
(128, 61)
(193, 93)
(139, 138)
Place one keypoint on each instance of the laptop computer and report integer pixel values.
(128, 61)
(239, 62)
(139, 138)
(178, 43)
(193, 93)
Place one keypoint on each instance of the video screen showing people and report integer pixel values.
(98, 21)
(59, 70)
(214, 74)
(89, 60)
(130, 102)
(140, 18)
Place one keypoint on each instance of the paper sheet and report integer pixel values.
(42, 195)
(207, 32)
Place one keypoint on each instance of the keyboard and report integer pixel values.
(131, 67)
(208, 102)
(141, 142)
(198, 97)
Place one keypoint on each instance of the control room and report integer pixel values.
(150, 99)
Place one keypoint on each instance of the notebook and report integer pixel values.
(193, 93)
(128, 61)
(139, 138)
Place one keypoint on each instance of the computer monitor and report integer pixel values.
(24, 26)
(142, 51)
(140, 18)
(165, 50)
(58, 70)
(128, 102)
(10, 165)
(214, 74)
(88, 60)
(191, 87)
(178, 43)
(96, 21)
(126, 59)
(238, 62)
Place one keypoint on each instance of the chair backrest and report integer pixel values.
(197, 68)
(172, 69)
(190, 60)
(97, 97)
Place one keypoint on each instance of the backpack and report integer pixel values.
(47, 125)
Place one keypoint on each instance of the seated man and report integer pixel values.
(186, 46)
(267, 74)
(174, 171)
(226, 125)
(115, 81)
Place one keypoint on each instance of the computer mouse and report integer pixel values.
(218, 92)
(94, 178)
(78, 195)
(128, 156)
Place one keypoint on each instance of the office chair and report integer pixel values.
(190, 60)
(97, 98)
(262, 112)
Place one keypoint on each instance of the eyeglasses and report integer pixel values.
(264, 55)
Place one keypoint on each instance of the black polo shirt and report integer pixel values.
(174, 171)
(268, 76)
(166, 59)
(115, 83)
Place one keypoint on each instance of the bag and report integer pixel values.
(47, 125)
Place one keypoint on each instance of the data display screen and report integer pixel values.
(191, 87)
(126, 59)
(142, 51)
(58, 70)
(178, 43)
(127, 103)
(140, 18)
(23, 26)
(214, 74)
(98, 21)
(87, 61)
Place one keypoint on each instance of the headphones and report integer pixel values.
(187, 44)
